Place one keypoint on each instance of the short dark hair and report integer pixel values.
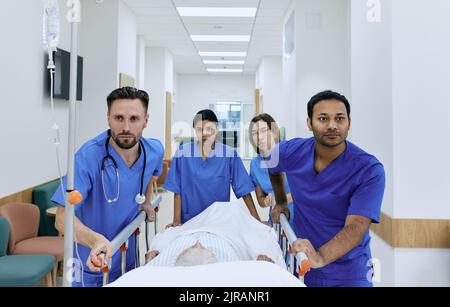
(327, 95)
(128, 93)
(205, 115)
(271, 123)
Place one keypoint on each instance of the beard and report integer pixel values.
(124, 143)
(330, 143)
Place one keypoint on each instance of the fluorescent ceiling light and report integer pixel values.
(216, 11)
(224, 62)
(220, 38)
(224, 54)
(224, 70)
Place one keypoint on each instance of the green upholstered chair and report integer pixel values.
(22, 270)
(42, 196)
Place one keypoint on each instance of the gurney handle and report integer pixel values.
(302, 259)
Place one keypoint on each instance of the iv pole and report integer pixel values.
(74, 18)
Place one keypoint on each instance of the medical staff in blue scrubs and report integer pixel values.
(201, 173)
(107, 209)
(337, 190)
(264, 135)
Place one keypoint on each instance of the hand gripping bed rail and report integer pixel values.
(303, 263)
(121, 241)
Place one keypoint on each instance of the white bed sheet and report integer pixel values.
(226, 274)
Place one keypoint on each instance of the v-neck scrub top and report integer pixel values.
(353, 184)
(94, 211)
(204, 182)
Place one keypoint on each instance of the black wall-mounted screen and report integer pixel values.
(61, 88)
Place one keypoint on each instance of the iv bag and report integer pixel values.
(51, 25)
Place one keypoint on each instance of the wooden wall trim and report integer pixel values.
(25, 196)
(413, 233)
(257, 101)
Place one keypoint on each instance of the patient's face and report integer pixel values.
(195, 255)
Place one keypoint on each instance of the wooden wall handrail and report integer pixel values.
(413, 233)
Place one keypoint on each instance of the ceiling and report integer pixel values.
(160, 24)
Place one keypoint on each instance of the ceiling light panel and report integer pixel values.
(220, 38)
(216, 12)
(223, 62)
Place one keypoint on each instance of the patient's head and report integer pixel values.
(195, 255)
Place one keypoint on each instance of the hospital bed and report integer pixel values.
(206, 275)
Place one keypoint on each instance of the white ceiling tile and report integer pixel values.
(160, 25)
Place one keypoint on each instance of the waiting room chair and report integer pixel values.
(22, 270)
(23, 240)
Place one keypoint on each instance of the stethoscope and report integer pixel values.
(140, 198)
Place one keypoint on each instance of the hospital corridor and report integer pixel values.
(251, 145)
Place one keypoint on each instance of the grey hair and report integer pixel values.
(195, 256)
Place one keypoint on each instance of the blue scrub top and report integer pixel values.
(259, 173)
(204, 182)
(353, 184)
(94, 211)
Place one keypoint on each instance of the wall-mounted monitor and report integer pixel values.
(61, 88)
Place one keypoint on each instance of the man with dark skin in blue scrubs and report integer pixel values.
(337, 190)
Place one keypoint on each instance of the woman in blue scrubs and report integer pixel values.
(338, 191)
(201, 173)
(264, 135)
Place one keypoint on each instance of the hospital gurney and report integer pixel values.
(121, 240)
(286, 237)
(284, 230)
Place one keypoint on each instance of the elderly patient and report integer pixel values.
(222, 233)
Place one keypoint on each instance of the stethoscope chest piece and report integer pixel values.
(140, 199)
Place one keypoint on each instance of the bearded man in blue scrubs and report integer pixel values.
(110, 170)
(337, 190)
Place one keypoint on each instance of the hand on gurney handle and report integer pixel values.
(281, 212)
(100, 255)
(305, 247)
(277, 210)
(151, 212)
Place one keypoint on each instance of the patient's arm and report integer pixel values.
(150, 256)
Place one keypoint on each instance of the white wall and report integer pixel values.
(371, 95)
(22, 83)
(197, 92)
(322, 53)
(100, 66)
(140, 62)
(158, 80)
(400, 67)
(104, 59)
(27, 155)
(289, 87)
(127, 41)
(421, 74)
(269, 78)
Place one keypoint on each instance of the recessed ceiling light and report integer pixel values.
(217, 11)
(220, 38)
(224, 70)
(223, 54)
(224, 62)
